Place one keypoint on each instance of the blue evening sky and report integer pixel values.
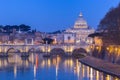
(52, 15)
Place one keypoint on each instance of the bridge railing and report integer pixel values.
(40, 45)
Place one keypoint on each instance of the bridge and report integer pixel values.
(44, 48)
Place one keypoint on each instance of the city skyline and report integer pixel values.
(48, 16)
(60, 39)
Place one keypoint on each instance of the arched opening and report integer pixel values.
(12, 51)
(38, 50)
(57, 51)
(32, 50)
(80, 52)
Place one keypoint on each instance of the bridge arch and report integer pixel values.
(35, 50)
(31, 50)
(79, 52)
(12, 50)
(57, 51)
(39, 50)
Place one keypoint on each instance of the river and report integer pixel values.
(54, 68)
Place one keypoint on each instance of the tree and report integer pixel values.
(48, 40)
(15, 27)
(33, 31)
(1, 28)
(7, 28)
(25, 28)
(109, 26)
(11, 28)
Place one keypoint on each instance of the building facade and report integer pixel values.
(82, 30)
(69, 38)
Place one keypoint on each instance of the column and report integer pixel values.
(32, 41)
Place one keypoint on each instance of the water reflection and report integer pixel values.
(56, 68)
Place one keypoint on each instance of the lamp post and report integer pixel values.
(46, 44)
(116, 53)
(46, 50)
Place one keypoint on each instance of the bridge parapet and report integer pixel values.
(42, 47)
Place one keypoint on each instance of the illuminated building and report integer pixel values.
(38, 38)
(4, 38)
(69, 38)
(82, 30)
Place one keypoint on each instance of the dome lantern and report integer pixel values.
(80, 22)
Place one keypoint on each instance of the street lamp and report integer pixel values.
(46, 50)
(46, 42)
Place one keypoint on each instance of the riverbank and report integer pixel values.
(101, 65)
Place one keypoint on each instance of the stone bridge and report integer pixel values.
(68, 48)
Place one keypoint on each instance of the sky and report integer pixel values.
(52, 15)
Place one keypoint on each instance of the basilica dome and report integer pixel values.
(80, 22)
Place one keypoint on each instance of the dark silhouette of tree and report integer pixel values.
(15, 27)
(9, 28)
(24, 28)
(1, 28)
(110, 26)
(48, 41)
(57, 32)
(33, 31)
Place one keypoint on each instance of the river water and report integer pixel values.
(55, 68)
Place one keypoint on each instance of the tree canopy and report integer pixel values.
(109, 26)
(10, 28)
(48, 41)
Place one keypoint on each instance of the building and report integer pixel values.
(38, 38)
(97, 37)
(4, 38)
(82, 30)
(69, 38)
(57, 38)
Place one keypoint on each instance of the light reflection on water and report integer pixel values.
(56, 68)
